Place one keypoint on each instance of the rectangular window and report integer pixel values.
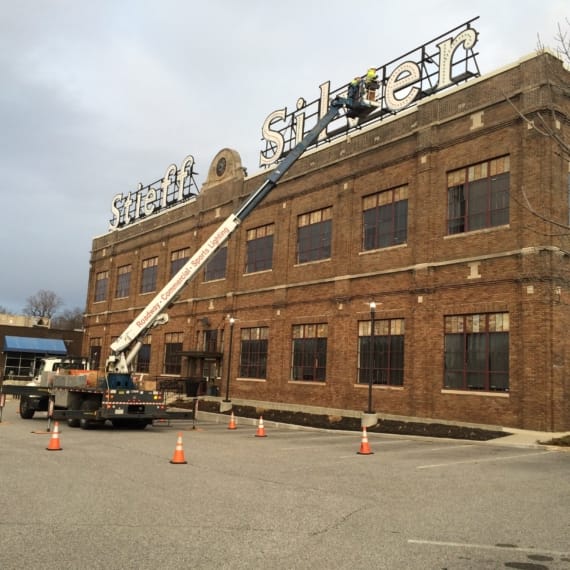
(382, 363)
(123, 282)
(172, 353)
(20, 365)
(216, 267)
(178, 259)
(101, 284)
(143, 357)
(253, 352)
(309, 352)
(314, 235)
(477, 352)
(385, 218)
(149, 274)
(259, 253)
(478, 196)
(211, 340)
(95, 353)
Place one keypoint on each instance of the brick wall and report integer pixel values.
(521, 268)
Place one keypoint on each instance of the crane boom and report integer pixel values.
(152, 315)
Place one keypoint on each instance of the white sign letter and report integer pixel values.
(273, 137)
(325, 89)
(149, 202)
(116, 212)
(446, 50)
(168, 178)
(185, 170)
(403, 76)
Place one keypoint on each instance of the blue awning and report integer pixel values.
(53, 346)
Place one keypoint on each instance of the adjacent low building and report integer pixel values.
(438, 236)
(25, 340)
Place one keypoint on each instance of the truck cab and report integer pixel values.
(56, 364)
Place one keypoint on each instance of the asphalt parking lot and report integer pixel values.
(297, 498)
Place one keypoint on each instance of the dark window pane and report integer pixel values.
(216, 267)
(253, 358)
(172, 358)
(259, 254)
(479, 203)
(314, 241)
(455, 209)
(477, 361)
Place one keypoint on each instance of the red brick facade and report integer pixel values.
(519, 268)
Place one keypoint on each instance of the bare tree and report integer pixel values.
(70, 319)
(543, 125)
(43, 304)
(4, 310)
(562, 42)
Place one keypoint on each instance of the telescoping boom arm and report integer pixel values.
(126, 347)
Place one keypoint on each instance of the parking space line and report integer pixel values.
(488, 547)
(483, 460)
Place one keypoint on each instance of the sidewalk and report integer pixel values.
(526, 438)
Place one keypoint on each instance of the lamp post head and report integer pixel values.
(372, 306)
(232, 321)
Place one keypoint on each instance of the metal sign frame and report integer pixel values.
(423, 71)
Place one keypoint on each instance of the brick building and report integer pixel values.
(440, 215)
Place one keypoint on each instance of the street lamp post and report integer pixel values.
(229, 362)
(371, 364)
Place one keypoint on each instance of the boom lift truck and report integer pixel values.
(119, 400)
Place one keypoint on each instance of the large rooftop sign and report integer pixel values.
(447, 60)
(177, 185)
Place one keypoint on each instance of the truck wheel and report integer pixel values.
(26, 410)
(88, 406)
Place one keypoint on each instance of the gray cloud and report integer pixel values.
(98, 96)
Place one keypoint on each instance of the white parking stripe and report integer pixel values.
(495, 458)
(488, 547)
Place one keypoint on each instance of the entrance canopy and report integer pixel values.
(53, 346)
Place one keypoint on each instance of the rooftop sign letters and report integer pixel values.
(447, 60)
(176, 186)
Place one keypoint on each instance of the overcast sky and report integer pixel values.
(97, 96)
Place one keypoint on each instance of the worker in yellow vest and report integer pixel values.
(371, 84)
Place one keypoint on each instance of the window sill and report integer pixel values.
(477, 393)
(251, 379)
(380, 387)
(477, 232)
(304, 263)
(308, 382)
(257, 272)
(387, 248)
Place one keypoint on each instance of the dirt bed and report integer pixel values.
(353, 424)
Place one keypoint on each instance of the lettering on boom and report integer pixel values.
(177, 185)
(447, 60)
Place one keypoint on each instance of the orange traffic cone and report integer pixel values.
(232, 424)
(364, 446)
(260, 429)
(178, 457)
(54, 444)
